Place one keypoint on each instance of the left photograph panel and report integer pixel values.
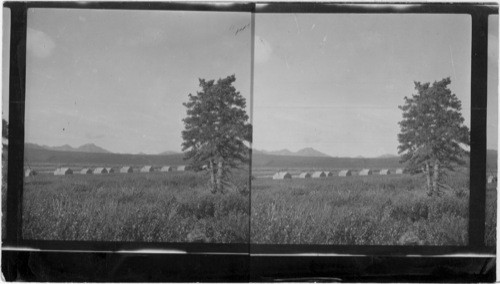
(5, 110)
(137, 126)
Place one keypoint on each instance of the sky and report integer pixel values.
(333, 82)
(118, 78)
(492, 112)
(5, 62)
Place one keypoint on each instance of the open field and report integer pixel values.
(491, 214)
(172, 206)
(372, 210)
(152, 207)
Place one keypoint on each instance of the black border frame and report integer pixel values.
(478, 12)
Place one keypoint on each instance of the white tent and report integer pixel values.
(384, 172)
(147, 169)
(282, 175)
(63, 171)
(345, 173)
(400, 171)
(100, 171)
(182, 168)
(86, 171)
(166, 169)
(365, 172)
(126, 170)
(318, 174)
(305, 175)
(29, 173)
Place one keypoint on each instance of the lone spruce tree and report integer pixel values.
(216, 129)
(433, 136)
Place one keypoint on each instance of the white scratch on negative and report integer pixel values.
(296, 23)
(313, 26)
(452, 63)
(286, 62)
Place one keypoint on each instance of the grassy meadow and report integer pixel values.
(178, 207)
(143, 207)
(356, 210)
(491, 214)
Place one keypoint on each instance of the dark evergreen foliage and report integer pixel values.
(433, 135)
(216, 129)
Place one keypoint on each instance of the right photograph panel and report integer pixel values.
(492, 133)
(361, 129)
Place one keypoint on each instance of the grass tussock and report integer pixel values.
(374, 210)
(172, 207)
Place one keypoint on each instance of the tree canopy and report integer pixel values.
(216, 129)
(433, 135)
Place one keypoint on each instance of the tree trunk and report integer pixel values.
(436, 176)
(220, 169)
(213, 185)
(430, 190)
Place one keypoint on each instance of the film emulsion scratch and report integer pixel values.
(362, 130)
(137, 126)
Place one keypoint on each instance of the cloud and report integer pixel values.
(263, 50)
(39, 43)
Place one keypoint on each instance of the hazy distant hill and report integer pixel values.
(86, 148)
(306, 152)
(169, 153)
(40, 155)
(388, 156)
(283, 152)
(310, 152)
(91, 148)
(260, 159)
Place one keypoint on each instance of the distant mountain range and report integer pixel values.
(86, 148)
(260, 156)
(306, 152)
(311, 152)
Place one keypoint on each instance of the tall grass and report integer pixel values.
(491, 215)
(159, 207)
(373, 210)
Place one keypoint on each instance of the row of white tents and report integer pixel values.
(103, 170)
(342, 173)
